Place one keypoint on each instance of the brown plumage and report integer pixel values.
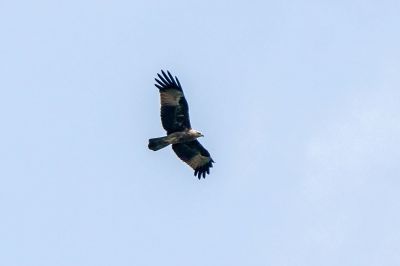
(175, 120)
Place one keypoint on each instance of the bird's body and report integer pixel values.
(175, 120)
(174, 138)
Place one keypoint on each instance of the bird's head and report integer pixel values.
(196, 133)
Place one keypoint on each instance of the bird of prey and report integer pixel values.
(175, 120)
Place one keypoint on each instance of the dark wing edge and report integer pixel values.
(196, 156)
(166, 81)
(174, 107)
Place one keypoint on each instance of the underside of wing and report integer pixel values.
(174, 107)
(196, 156)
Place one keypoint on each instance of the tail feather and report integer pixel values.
(158, 143)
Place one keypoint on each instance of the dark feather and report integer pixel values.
(188, 151)
(173, 117)
(166, 77)
(158, 86)
(160, 82)
(173, 81)
(166, 83)
(179, 84)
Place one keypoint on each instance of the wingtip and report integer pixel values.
(166, 77)
(177, 81)
(162, 71)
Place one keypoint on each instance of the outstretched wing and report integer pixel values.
(174, 107)
(195, 155)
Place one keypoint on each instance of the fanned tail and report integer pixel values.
(158, 143)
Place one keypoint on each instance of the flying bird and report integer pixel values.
(175, 120)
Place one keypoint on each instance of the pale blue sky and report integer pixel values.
(298, 102)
